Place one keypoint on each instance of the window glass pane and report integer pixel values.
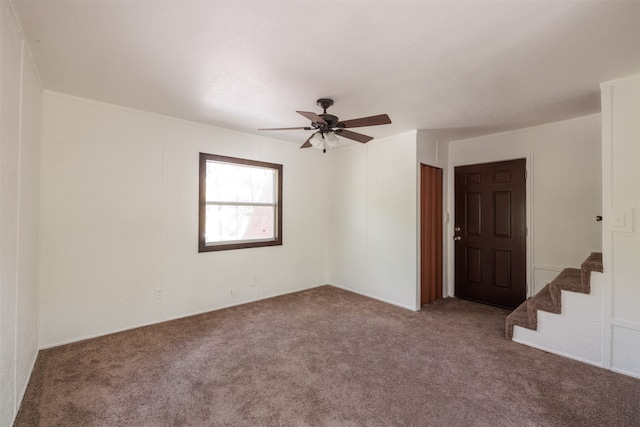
(239, 183)
(229, 223)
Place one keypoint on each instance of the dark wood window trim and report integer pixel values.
(202, 246)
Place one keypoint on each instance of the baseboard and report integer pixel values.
(365, 294)
(625, 347)
(24, 387)
(100, 334)
(288, 292)
(115, 331)
(235, 304)
(548, 268)
(195, 313)
(627, 373)
(558, 353)
(634, 326)
(588, 362)
(20, 396)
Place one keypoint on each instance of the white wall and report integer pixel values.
(621, 239)
(20, 92)
(374, 219)
(348, 213)
(120, 215)
(566, 189)
(603, 328)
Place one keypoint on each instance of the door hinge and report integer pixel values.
(525, 174)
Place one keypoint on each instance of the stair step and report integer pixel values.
(570, 279)
(544, 301)
(518, 317)
(592, 263)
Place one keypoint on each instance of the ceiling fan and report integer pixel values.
(328, 126)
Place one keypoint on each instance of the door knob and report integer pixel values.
(456, 238)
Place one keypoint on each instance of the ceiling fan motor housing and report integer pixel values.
(331, 120)
(324, 103)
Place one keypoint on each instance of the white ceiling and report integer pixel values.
(455, 69)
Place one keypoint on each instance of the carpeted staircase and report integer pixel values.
(550, 297)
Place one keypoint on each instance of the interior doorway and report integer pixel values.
(490, 233)
(430, 234)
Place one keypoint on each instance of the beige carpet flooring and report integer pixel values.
(323, 357)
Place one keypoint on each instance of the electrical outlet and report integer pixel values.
(158, 293)
(234, 292)
(255, 278)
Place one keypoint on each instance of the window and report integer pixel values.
(240, 203)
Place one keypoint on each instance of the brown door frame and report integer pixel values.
(450, 247)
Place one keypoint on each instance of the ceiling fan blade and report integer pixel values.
(312, 116)
(307, 144)
(353, 135)
(380, 119)
(301, 128)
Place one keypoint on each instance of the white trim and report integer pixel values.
(548, 268)
(162, 282)
(101, 334)
(607, 242)
(627, 373)
(612, 83)
(559, 353)
(151, 114)
(528, 222)
(365, 294)
(26, 46)
(279, 294)
(527, 129)
(20, 395)
(195, 313)
(16, 301)
(103, 104)
(626, 324)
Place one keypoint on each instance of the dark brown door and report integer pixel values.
(490, 233)
(430, 234)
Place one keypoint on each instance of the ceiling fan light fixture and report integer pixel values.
(317, 140)
(324, 140)
(331, 139)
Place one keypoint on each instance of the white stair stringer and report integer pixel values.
(576, 332)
